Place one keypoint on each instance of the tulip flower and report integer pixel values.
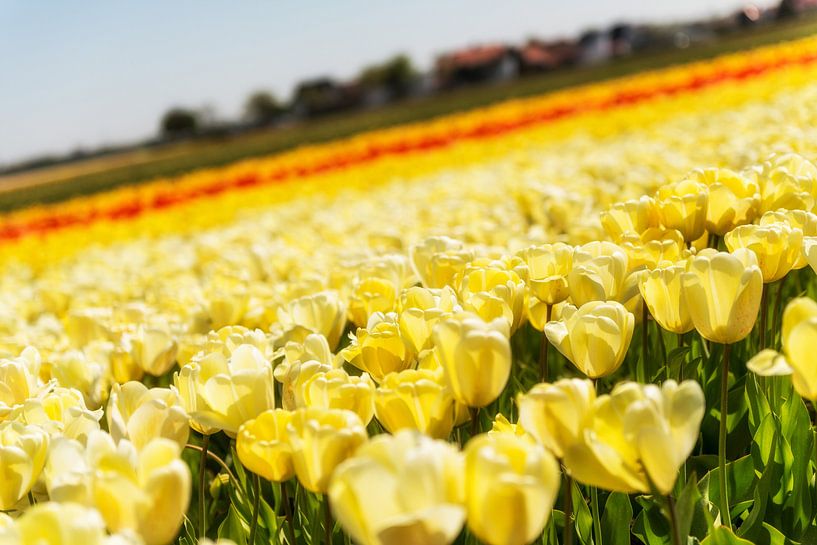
(493, 282)
(638, 436)
(61, 412)
(511, 484)
(153, 350)
(722, 291)
(404, 488)
(633, 216)
(416, 399)
(654, 248)
(322, 313)
(777, 247)
(437, 259)
(58, 524)
(320, 440)
(420, 310)
(554, 414)
(797, 337)
(336, 389)
(662, 292)
(23, 449)
(371, 295)
(263, 448)
(222, 393)
(734, 199)
(796, 219)
(379, 348)
(476, 357)
(141, 415)
(683, 206)
(598, 274)
(595, 337)
(19, 380)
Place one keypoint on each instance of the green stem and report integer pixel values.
(288, 513)
(594, 498)
(778, 307)
(673, 520)
(31, 500)
(328, 523)
(642, 369)
(663, 347)
(726, 518)
(475, 428)
(567, 536)
(202, 478)
(763, 313)
(681, 363)
(256, 506)
(220, 462)
(543, 349)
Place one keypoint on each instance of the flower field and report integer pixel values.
(580, 318)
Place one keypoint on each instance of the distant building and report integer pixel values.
(595, 47)
(484, 63)
(539, 56)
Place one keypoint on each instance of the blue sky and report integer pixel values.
(79, 74)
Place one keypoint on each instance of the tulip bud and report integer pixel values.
(404, 488)
(18, 380)
(633, 216)
(722, 291)
(595, 337)
(153, 350)
(415, 399)
(420, 310)
(336, 389)
(437, 259)
(653, 248)
(263, 448)
(554, 414)
(23, 450)
(661, 290)
(371, 295)
(322, 312)
(320, 440)
(734, 199)
(501, 288)
(598, 274)
(476, 357)
(378, 349)
(511, 486)
(778, 247)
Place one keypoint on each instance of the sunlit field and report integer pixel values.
(581, 317)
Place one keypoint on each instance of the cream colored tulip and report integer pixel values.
(153, 350)
(222, 393)
(336, 389)
(59, 412)
(734, 199)
(53, 523)
(400, 489)
(654, 248)
(140, 415)
(379, 348)
(796, 219)
(683, 206)
(263, 448)
(595, 337)
(416, 399)
(498, 286)
(23, 450)
(19, 380)
(598, 274)
(722, 291)
(320, 440)
(371, 295)
(511, 485)
(437, 259)
(662, 292)
(476, 357)
(322, 313)
(778, 247)
(633, 216)
(555, 414)
(420, 310)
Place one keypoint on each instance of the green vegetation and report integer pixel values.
(54, 184)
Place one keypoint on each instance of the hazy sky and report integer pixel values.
(87, 72)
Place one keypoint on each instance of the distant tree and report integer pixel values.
(395, 75)
(179, 122)
(262, 107)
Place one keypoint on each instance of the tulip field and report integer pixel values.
(580, 318)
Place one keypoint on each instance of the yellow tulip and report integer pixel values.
(222, 393)
(476, 357)
(796, 219)
(778, 247)
(320, 440)
(511, 484)
(683, 206)
(336, 389)
(637, 435)
(371, 295)
(722, 291)
(653, 248)
(633, 216)
(322, 312)
(798, 334)
(420, 310)
(786, 181)
(416, 399)
(662, 292)
(595, 337)
(734, 199)
(400, 489)
(53, 523)
(153, 350)
(479, 284)
(19, 380)
(263, 448)
(554, 414)
(141, 415)
(599, 272)
(60, 412)
(23, 449)
(437, 259)
(379, 348)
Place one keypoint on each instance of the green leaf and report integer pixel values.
(691, 509)
(756, 401)
(724, 536)
(234, 527)
(616, 520)
(651, 526)
(583, 518)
